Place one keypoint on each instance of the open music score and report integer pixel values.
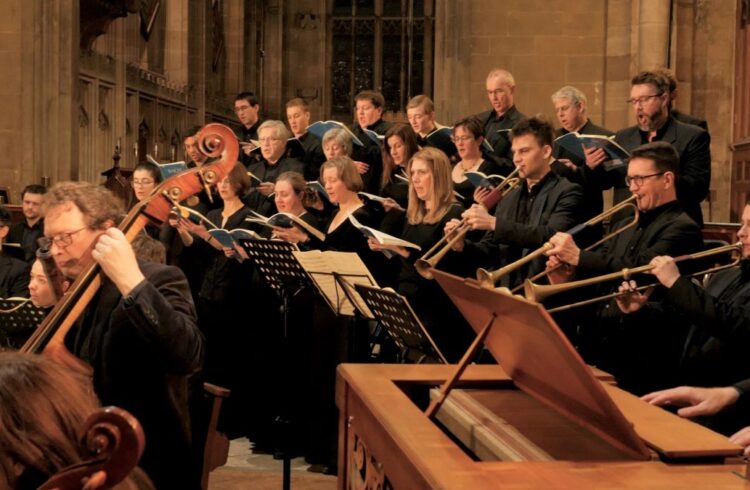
(334, 274)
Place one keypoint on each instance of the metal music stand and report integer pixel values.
(399, 320)
(18, 318)
(285, 276)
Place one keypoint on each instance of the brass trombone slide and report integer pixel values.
(435, 254)
(538, 293)
(489, 278)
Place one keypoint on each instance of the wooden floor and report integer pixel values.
(245, 470)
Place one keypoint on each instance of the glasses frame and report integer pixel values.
(643, 99)
(62, 240)
(638, 179)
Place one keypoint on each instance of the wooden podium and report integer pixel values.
(576, 429)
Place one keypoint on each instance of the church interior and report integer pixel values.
(95, 88)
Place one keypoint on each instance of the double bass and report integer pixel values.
(219, 144)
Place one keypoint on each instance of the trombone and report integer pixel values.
(489, 278)
(538, 293)
(436, 253)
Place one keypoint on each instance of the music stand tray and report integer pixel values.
(402, 324)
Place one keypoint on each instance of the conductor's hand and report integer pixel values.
(665, 269)
(742, 438)
(480, 194)
(117, 260)
(559, 272)
(594, 156)
(478, 218)
(630, 299)
(565, 248)
(695, 401)
(449, 228)
(266, 188)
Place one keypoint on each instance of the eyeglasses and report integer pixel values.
(141, 183)
(642, 100)
(62, 240)
(241, 109)
(462, 139)
(638, 179)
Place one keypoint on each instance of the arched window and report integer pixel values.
(386, 45)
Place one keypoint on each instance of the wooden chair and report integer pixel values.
(216, 447)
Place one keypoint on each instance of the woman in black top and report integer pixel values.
(431, 206)
(146, 176)
(399, 145)
(224, 293)
(468, 136)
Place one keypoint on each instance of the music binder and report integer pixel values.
(397, 317)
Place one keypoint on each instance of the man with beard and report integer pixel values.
(650, 98)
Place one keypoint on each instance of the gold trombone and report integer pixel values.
(435, 254)
(539, 292)
(488, 279)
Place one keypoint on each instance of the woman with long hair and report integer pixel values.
(431, 206)
(399, 144)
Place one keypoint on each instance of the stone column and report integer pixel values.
(653, 33)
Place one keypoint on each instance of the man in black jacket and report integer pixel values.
(649, 96)
(138, 333)
(638, 353)
(369, 116)
(501, 87)
(717, 319)
(529, 215)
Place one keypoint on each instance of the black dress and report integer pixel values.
(223, 296)
(432, 306)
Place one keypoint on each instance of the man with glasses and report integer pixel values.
(14, 273)
(139, 332)
(498, 121)
(640, 354)
(650, 99)
(247, 109)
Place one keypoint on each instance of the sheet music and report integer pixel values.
(321, 267)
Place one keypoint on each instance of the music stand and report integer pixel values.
(282, 272)
(18, 317)
(395, 314)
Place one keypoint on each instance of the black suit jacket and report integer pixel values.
(688, 119)
(142, 351)
(371, 154)
(14, 277)
(557, 207)
(501, 150)
(693, 145)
